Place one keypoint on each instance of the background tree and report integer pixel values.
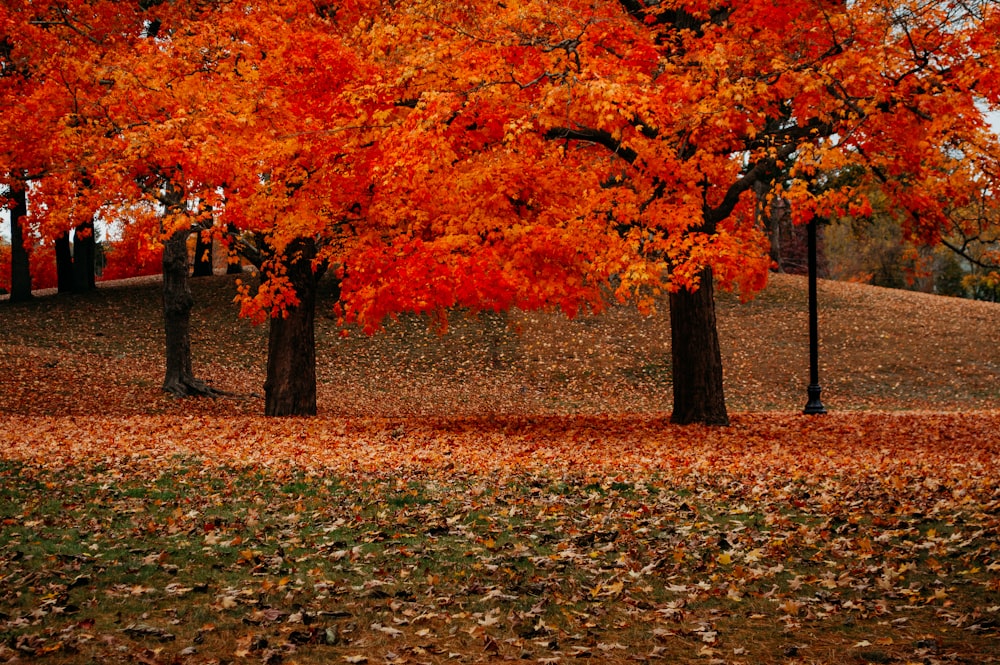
(973, 238)
(85, 256)
(203, 256)
(20, 268)
(14, 81)
(64, 263)
(48, 57)
(881, 248)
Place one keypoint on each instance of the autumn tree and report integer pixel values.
(529, 154)
(293, 139)
(687, 112)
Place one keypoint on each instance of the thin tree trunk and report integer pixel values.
(20, 266)
(290, 389)
(696, 355)
(177, 303)
(85, 257)
(64, 264)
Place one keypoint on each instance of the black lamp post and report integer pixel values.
(814, 405)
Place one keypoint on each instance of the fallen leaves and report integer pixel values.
(145, 630)
(550, 539)
(543, 538)
(897, 455)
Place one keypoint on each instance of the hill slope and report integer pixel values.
(880, 349)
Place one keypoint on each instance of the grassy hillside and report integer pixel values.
(880, 349)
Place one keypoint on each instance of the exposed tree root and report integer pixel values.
(191, 387)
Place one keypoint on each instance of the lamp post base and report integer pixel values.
(814, 406)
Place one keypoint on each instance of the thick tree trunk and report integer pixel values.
(20, 267)
(64, 264)
(84, 258)
(203, 264)
(177, 303)
(290, 389)
(697, 359)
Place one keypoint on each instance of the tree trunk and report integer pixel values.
(84, 257)
(290, 389)
(177, 303)
(64, 264)
(203, 264)
(20, 267)
(697, 359)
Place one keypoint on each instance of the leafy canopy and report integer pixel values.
(491, 154)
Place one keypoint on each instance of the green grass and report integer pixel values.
(221, 562)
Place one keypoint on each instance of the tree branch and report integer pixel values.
(762, 171)
(598, 136)
(676, 19)
(964, 253)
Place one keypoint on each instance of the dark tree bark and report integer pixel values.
(202, 258)
(85, 258)
(64, 264)
(290, 389)
(20, 267)
(177, 303)
(696, 356)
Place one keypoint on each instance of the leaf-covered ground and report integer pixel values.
(881, 349)
(453, 507)
(857, 538)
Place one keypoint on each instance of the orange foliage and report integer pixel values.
(132, 256)
(42, 258)
(640, 135)
(491, 155)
